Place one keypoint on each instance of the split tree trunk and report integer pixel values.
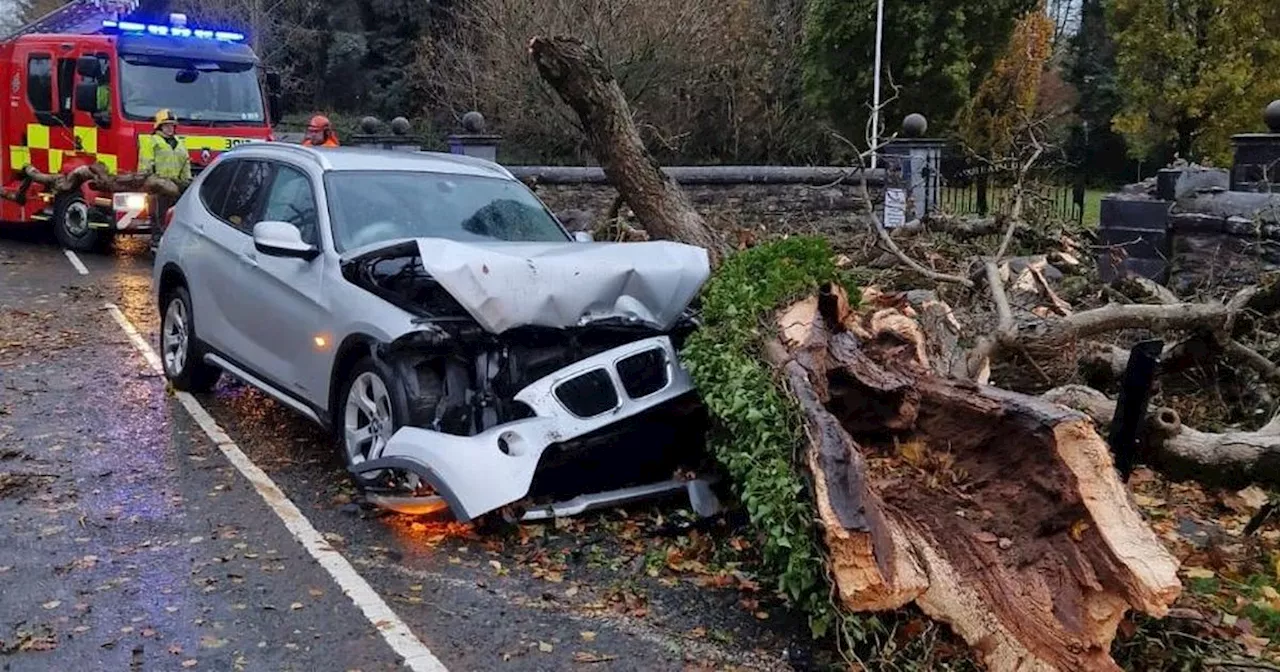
(577, 73)
(996, 512)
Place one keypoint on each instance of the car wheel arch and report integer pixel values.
(352, 349)
(170, 278)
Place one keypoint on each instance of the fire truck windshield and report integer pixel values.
(196, 92)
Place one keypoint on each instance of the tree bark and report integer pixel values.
(997, 513)
(1231, 459)
(581, 79)
(101, 180)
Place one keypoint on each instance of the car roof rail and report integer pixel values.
(300, 150)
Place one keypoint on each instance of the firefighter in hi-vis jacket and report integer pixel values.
(169, 159)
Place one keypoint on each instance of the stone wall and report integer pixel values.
(771, 200)
(1223, 239)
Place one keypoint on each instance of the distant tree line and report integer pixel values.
(1125, 85)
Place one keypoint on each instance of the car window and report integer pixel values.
(370, 206)
(291, 200)
(245, 194)
(213, 190)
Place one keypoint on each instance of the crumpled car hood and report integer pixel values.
(507, 285)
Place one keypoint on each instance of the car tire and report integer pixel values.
(181, 353)
(71, 224)
(374, 380)
(387, 396)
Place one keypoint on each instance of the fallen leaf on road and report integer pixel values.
(545, 647)
(52, 604)
(1201, 573)
(190, 663)
(585, 657)
(211, 642)
(175, 649)
(588, 636)
(315, 592)
(295, 606)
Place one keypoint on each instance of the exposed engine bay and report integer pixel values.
(592, 399)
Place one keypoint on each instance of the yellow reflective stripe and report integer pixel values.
(55, 160)
(37, 136)
(110, 161)
(19, 157)
(88, 137)
(146, 148)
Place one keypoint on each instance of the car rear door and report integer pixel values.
(284, 321)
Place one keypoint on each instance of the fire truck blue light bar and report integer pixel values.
(174, 31)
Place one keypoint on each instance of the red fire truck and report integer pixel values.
(85, 83)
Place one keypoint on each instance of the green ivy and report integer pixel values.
(757, 424)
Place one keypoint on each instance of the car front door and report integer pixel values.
(285, 321)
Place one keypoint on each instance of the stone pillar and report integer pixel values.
(473, 141)
(916, 162)
(1256, 166)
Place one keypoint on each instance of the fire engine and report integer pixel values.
(85, 82)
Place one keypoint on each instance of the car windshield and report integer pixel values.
(194, 92)
(373, 206)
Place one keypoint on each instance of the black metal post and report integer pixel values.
(1131, 404)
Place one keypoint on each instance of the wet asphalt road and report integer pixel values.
(131, 543)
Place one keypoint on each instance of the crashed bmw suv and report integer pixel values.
(467, 352)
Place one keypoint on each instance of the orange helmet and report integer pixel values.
(318, 123)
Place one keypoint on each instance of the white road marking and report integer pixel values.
(417, 656)
(75, 261)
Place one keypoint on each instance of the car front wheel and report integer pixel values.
(180, 351)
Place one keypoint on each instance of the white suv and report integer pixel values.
(466, 351)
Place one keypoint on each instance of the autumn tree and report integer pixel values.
(1006, 99)
(1191, 73)
(938, 51)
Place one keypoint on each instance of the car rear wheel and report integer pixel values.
(180, 352)
(71, 224)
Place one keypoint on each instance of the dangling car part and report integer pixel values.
(465, 350)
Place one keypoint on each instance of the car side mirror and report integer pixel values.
(282, 239)
(87, 97)
(583, 237)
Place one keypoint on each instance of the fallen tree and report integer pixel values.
(996, 511)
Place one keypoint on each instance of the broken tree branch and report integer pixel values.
(1234, 458)
(583, 81)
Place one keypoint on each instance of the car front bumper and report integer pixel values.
(484, 472)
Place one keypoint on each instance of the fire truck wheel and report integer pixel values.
(71, 224)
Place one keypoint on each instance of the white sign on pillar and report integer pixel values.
(895, 208)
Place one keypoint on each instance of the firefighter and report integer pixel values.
(169, 159)
(320, 133)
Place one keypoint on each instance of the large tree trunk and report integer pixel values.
(1233, 459)
(998, 513)
(577, 73)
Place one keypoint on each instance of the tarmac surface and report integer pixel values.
(131, 542)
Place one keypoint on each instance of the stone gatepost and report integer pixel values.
(399, 139)
(913, 180)
(473, 141)
(1256, 167)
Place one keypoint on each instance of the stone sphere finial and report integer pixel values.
(1272, 116)
(914, 125)
(400, 126)
(473, 122)
(369, 125)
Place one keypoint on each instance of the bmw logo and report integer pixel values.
(205, 155)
